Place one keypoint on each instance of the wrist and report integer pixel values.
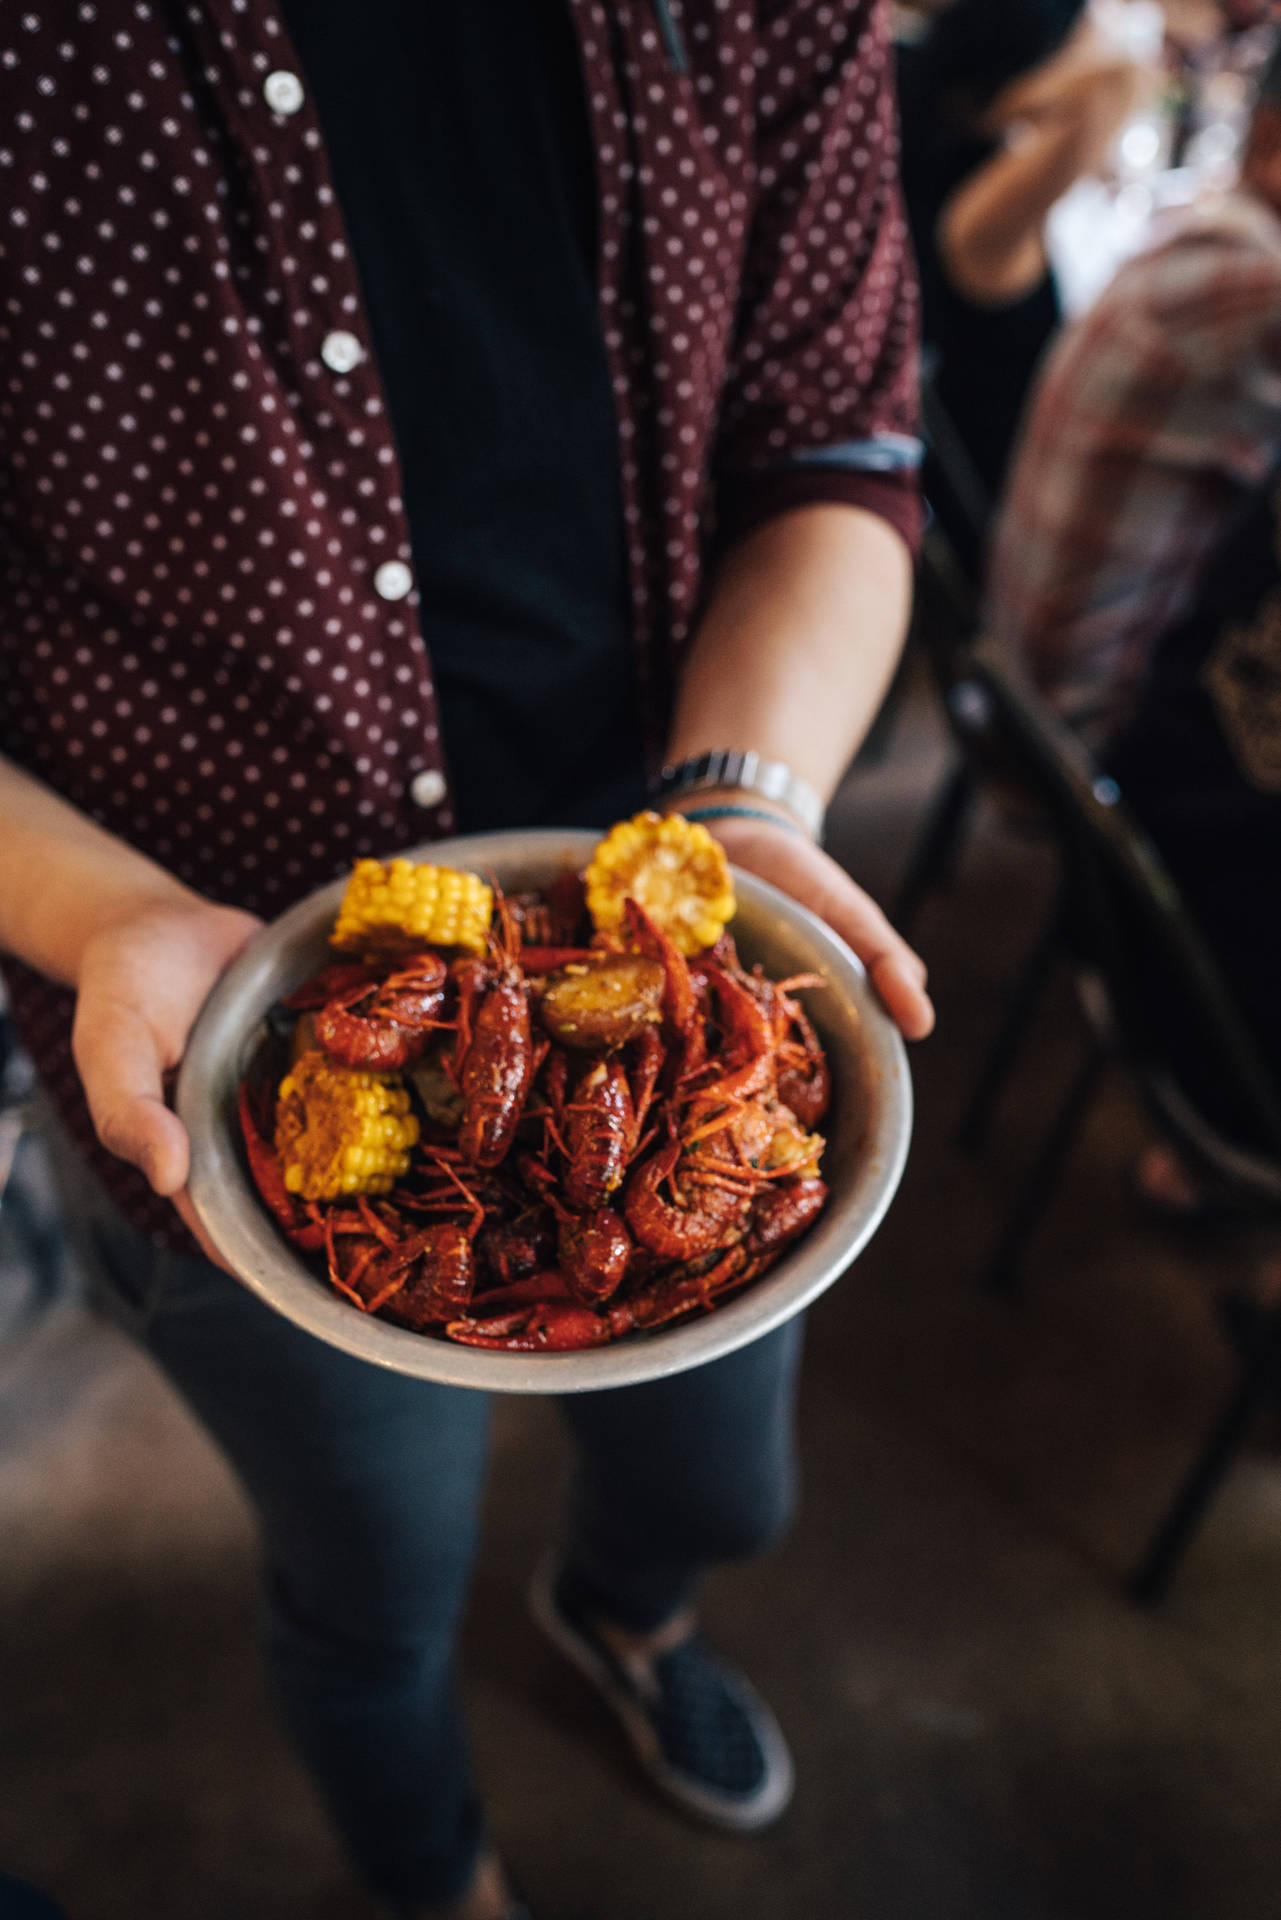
(724, 778)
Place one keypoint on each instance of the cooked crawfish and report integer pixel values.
(744, 1066)
(299, 1220)
(612, 1138)
(494, 1059)
(604, 1122)
(553, 1326)
(699, 1215)
(372, 1020)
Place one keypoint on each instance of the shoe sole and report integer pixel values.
(738, 1816)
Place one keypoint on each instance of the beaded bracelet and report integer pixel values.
(745, 813)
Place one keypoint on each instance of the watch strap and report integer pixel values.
(730, 768)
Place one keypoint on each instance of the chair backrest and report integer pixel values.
(948, 583)
(1123, 912)
(961, 506)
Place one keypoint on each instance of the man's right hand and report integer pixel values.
(142, 980)
(140, 949)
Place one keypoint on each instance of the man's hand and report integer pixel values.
(142, 980)
(780, 856)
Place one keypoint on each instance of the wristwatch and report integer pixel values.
(725, 767)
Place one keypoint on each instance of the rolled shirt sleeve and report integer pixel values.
(821, 399)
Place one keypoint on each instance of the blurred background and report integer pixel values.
(1024, 1639)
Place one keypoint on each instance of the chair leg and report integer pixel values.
(1029, 991)
(1042, 1177)
(1150, 1581)
(938, 845)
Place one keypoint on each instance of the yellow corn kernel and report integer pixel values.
(338, 1131)
(672, 868)
(397, 905)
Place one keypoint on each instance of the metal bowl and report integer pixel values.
(867, 1131)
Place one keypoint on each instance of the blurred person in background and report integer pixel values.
(1194, 22)
(1004, 104)
(1215, 51)
(1136, 568)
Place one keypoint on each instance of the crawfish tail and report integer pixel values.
(496, 1073)
(594, 1249)
(550, 1328)
(678, 1232)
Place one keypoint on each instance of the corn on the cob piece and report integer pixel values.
(339, 1132)
(671, 867)
(397, 905)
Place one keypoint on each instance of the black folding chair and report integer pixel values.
(962, 507)
(948, 604)
(1138, 958)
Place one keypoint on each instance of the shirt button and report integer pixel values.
(427, 789)
(393, 580)
(283, 92)
(341, 351)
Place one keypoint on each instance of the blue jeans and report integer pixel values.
(366, 1486)
(18, 1901)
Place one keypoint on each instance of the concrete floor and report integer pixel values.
(983, 1729)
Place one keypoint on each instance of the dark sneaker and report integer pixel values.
(699, 1729)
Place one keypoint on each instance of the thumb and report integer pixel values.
(120, 1064)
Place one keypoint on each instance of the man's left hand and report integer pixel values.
(811, 876)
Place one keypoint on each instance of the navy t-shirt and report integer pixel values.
(462, 156)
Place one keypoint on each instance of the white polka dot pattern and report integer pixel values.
(209, 634)
(776, 308)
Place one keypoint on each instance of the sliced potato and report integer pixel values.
(603, 1003)
(432, 1082)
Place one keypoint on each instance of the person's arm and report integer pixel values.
(1062, 120)
(140, 949)
(792, 660)
(814, 470)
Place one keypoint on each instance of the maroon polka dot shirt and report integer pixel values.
(210, 639)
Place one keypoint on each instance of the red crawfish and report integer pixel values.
(744, 1067)
(593, 1246)
(682, 1015)
(375, 1022)
(705, 1210)
(510, 1250)
(604, 1122)
(804, 1078)
(779, 1215)
(495, 1056)
(594, 1250)
(555, 1326)
(299, 1220)
(417, 1277)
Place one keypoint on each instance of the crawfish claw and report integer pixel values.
(546, 1328)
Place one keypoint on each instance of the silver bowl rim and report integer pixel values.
(231, 1213)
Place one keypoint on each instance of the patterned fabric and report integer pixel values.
(210, 640)
(1157, 409)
